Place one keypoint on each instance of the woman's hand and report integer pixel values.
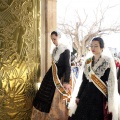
(77, 101)
(67, 87)
(106, 107)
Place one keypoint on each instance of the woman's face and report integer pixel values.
(95, 48)
(55, 39)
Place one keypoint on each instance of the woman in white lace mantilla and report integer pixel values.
(48, 103)
(97, 98)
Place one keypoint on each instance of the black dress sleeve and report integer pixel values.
(106, 75)
(67, 66)
(118, 74)
(83, 85)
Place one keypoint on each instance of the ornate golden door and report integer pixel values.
(19, 57)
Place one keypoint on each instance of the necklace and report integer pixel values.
(95, 62)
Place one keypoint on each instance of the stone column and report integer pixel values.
(48, 24)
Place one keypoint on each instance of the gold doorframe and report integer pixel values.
(19, 57)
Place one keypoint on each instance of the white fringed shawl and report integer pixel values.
(113, 91)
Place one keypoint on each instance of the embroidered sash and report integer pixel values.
(58, 84)
(96, 80)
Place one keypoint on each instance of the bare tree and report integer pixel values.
(81, 34)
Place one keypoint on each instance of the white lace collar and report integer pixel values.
(56, 54)
(103, 59)
(100, 67)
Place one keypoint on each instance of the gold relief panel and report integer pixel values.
(19, 57)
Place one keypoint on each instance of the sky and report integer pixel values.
(67, 8)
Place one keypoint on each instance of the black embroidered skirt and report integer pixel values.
(90, 106)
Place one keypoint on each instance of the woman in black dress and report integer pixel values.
(48, 103)
(95, 99)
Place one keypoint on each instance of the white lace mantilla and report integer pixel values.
(57, 52)
(99, 68)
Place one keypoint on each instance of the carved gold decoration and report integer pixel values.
(19, 57)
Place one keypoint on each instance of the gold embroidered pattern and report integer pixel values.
(99, 84)
(88, 61)
(19, 57)
(66, 95)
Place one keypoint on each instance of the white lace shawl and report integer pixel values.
(113, 91)
(56, 54)
(99, 68)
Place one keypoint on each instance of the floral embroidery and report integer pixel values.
(88, 61)
(98, 68)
